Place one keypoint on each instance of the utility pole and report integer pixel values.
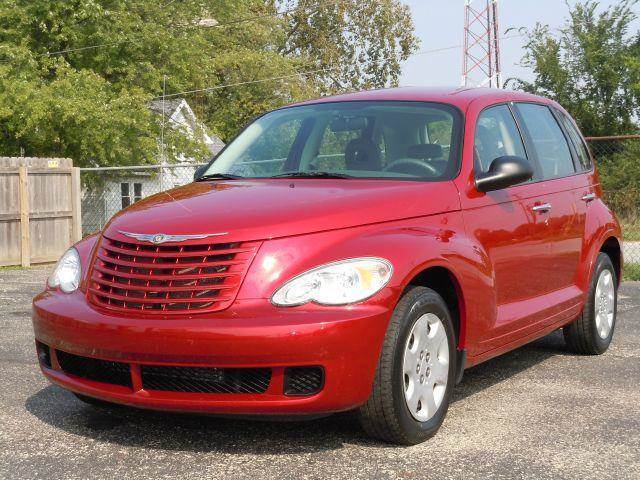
(481, 57)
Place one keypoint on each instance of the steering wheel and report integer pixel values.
(413, 162)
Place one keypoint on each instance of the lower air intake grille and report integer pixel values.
(44, 354)
(104, 371)
(206, 380)
(303, 380)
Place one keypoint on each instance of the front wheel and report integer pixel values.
(592, 331)
(416, 371)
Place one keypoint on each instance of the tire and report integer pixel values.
(586, 335)
(386, 415)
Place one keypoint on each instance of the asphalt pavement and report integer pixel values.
(537, 412)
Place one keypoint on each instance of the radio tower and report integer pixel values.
(481, 60)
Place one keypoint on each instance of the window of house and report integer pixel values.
(129, 193)
(497, 135)
(554, 155)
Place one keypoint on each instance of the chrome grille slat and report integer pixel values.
(168, 278)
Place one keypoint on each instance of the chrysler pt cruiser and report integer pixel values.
(356, 252)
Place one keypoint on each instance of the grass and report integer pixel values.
(631, 271)
(631, 231)
(11, 267)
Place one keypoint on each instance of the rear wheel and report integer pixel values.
(592, 331)
(416, 371)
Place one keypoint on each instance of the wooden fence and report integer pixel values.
(39, 209)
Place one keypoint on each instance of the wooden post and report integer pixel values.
(25, 243)
(76, 205)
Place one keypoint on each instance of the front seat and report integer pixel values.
(363, 154)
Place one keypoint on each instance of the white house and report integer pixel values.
(100, 201)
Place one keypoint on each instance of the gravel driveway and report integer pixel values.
(537, 412)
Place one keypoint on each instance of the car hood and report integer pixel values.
(271, 208)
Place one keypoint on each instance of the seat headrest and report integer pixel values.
(363, 154)
(425, 150)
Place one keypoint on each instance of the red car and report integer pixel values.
(356, 252)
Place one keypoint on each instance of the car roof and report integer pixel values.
(459, 97)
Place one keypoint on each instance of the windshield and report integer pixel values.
(409, 140)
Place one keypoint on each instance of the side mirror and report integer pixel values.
(504, 172)
(200, 171)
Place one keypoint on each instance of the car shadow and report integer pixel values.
(200, 433)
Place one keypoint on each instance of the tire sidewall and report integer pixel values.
(427, 302)
(603, 263)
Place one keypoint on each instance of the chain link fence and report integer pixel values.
(106, 191)
(618, 161)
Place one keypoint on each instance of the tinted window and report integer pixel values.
(496, 136)
(412, 140)
(554, 155)
(578, 143)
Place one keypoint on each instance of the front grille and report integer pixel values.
(168, 278)
(206, 380)
(115, 373)
(303, 380)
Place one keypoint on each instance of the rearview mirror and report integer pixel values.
(504, 172)
(200, 171)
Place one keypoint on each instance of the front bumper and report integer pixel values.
(344, 341)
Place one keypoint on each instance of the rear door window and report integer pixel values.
(497, 135)
(554, 155)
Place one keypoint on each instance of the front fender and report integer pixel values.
(411, 245)
(86, 248)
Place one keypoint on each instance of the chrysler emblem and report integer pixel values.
(159, 238)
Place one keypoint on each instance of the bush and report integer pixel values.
(620, 178)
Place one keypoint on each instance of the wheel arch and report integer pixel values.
(611, 246)
(444, 281)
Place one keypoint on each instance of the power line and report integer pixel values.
(215, 25)
(271, 79)
(248, 82)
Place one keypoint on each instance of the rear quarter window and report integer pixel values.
(578, 142)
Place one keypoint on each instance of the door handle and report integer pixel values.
(589, 197)
(545, 207)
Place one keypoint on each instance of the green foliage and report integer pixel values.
(362, 42)
(631, 231)
(592, 67)
(620, 178)
(631, 272)
(91, 103)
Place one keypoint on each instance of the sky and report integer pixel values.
(439, 24)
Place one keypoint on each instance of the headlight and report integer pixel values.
(339, 283)
(67, 272)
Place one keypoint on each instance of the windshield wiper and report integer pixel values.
(312, 175)
(218, 176)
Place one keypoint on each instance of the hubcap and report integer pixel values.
(604, 304)
(425, 367)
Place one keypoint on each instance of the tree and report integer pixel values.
(361, 43)
(592, 67)
(76, 76)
